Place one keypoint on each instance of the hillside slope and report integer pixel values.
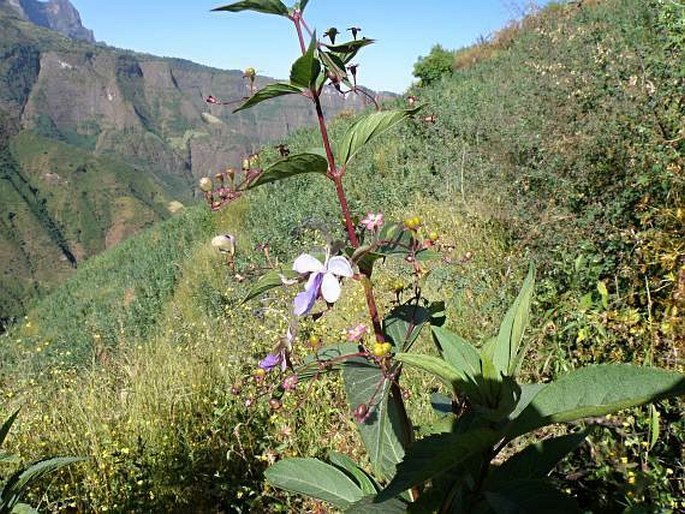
(71, 110)
(560, 142)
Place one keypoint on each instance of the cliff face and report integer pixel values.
(95, 142)
(58, 15)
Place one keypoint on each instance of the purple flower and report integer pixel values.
(274, 360)
(271, 361)
(323, 279)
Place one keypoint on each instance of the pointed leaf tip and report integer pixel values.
(261, 6)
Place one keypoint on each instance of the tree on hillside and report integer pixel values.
(437, 63)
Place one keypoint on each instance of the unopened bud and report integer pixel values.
(250, 73)
(361, 412)
(206, 184)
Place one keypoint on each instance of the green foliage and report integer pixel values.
(315, 478)
(438, 63)
(262, 6)
(367, 128)
(16, 485)
(458, 464)
(291, 166)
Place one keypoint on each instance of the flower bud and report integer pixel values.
(224, 243)
(206, 184)
(250, 73)
(290, 383)
(361, 413)
(274, 403)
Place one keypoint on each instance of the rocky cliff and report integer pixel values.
(58, 15)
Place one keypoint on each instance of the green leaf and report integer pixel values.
(443, 370)
(291, 166)
(7, 425)
(262, 6)
(306, 69)
(24, 508)
(538, 459)
(335, 64)
(506, 354)
(458, 352)
(314, 478)
(368, 128)
(268, 281)
(434, 455)
(269, 92)
(441, 404)
(346, 464)
(368, 505)
(528, 392)
(303, 5)
(603, 293)
(524, 496)
(654, 417)
(596, 391)
(17, 484)
(350, 46)
(403, 324)
(382, 432)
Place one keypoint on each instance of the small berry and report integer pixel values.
(399, 286)
(314, 341)
(434, 236)
(412, 223)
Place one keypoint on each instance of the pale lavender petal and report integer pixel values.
(340, 266)
(330, 288)
(270, 361)
(305, 263)
(314, 281)
(304, 301)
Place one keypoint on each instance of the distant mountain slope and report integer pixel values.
(137, 124)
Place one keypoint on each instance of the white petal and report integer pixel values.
(339, 266)
(330, 288)
(305, 263)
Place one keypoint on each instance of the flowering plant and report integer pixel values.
(458, 466)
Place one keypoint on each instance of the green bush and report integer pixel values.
(438, 63)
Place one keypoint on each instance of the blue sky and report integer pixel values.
(404, 31)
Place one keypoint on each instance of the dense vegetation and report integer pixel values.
(560, 141)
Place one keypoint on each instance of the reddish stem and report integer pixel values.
(297, 20)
